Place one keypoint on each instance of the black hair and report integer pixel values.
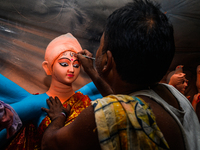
(141, 40)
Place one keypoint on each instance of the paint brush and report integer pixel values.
(88, 57)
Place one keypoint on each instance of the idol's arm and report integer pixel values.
(10, 92)
(91, 91)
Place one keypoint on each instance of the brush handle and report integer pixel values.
(88, 57)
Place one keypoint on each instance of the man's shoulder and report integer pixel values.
(123, 101)
(118, 97)
(119, 112)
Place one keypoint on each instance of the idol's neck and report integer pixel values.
(62, 91)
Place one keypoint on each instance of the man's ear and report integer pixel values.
(108, 62)
(46, 68)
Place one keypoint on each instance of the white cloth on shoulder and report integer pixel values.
(187, 118)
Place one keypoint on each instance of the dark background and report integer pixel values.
(27, 26)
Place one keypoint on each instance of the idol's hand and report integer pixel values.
(86, 59)
(56, 109)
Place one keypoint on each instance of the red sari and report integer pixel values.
(29, 138)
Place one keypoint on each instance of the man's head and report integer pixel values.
(141, 41)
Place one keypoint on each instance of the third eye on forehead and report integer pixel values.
(68, 53)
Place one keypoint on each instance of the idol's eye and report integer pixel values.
(76, 65)
(64, 64)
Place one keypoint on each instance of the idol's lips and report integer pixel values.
(70, 75)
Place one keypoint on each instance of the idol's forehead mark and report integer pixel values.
(70, 54)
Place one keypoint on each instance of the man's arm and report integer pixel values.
(80, 134)
(87, 64)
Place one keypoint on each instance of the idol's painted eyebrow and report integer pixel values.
(76, 60)
(64, 58)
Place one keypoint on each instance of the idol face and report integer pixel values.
(66, 68)
(181, 85)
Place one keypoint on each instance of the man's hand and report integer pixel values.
(56, 109)
(87, 63)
